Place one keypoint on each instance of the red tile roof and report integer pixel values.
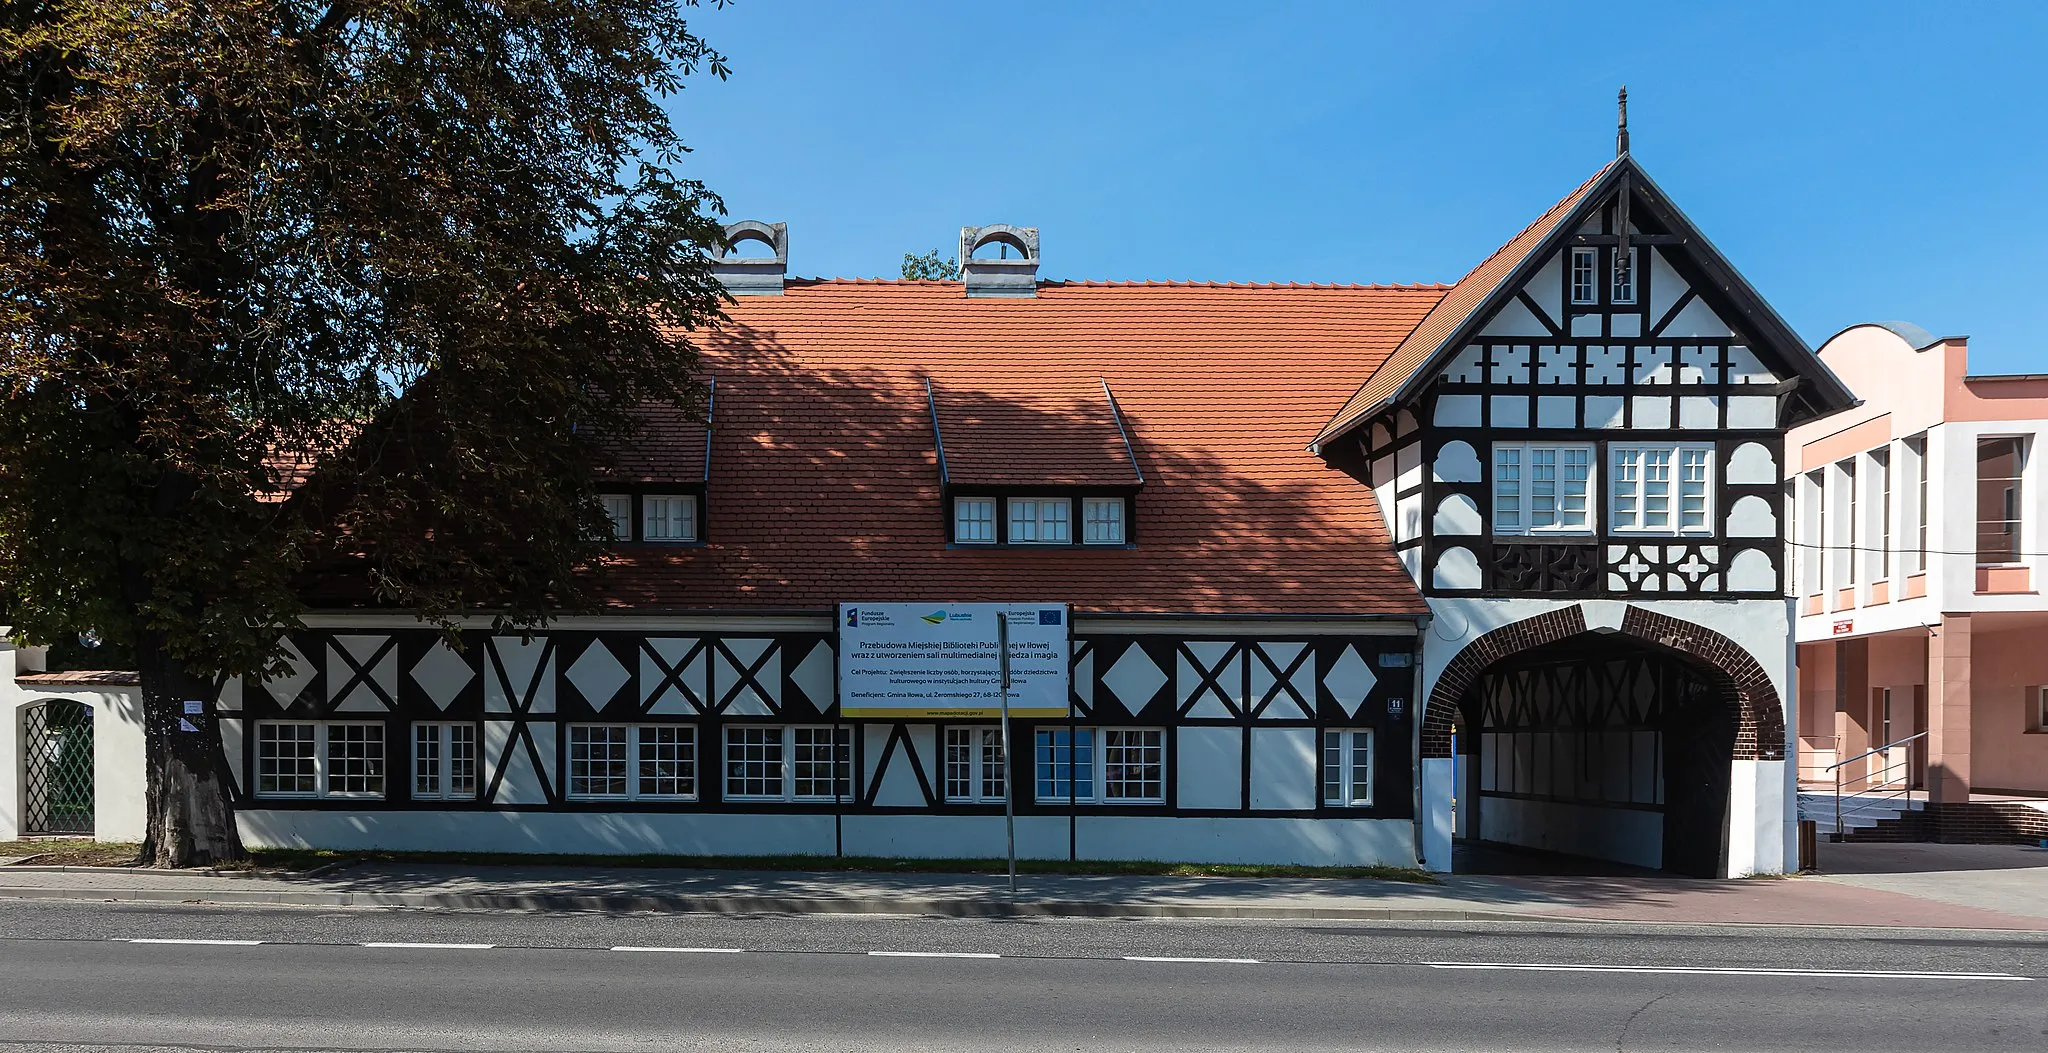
(824, 473)
(1056, 433)
(1466, 297)
(673, 447)
(81, 678)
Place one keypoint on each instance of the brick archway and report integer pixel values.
(1760, 722)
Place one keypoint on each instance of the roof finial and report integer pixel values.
(1621, 124)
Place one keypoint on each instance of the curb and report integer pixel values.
(951, 908)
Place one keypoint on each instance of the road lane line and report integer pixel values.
(435, 946)
(930, 954)
(1675, 970)
(681, 950)
(200, 943)
(1203, 961)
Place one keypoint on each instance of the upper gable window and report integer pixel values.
(1585, 276)
(1542, 488)
(1041, 521)
(619, 507)
(1625, 277)
(1661, 489)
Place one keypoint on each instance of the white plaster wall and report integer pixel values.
(1758, 820)
(120, 801)
(953, 836)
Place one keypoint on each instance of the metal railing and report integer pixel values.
(1880, 778)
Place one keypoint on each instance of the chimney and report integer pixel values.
(756, 275)
(1012, 273)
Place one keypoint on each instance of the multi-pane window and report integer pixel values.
(1347, 768)
(1585, 272)
(1101, 765)
(1817, 553)
(974, 764)
(1065, 763)
(1851, 530)
(632, 761)
(974, 520)
(597, 760)
(443, 762)
(1102, 520)
(1881, 485)
(1041, 521)
(1916, 457)
(297, 758)
(1625, 277)
(1660, 489)
(668, 517)
(619, 508)
(1999, 462)
(777, 763)
(1542, 488)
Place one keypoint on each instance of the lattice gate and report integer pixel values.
(57, 755)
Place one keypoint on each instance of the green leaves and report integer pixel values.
(929, 267)
(338, 301)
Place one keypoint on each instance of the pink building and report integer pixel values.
(1920, 555)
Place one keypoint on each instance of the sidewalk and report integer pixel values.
(1996, 887)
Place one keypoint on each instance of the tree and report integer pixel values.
(929, 266)
(331, 290)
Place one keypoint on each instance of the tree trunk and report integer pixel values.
(191, 820)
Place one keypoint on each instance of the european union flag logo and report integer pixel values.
(1049, 617)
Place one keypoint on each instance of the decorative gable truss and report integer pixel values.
(1607, 419)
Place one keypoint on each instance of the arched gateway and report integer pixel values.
(1615, 737)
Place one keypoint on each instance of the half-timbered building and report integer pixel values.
(1353, 571)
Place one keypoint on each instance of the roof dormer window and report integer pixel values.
(1041, 521)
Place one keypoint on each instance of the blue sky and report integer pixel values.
(1858, 162)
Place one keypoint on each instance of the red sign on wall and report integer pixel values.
(1845, 626)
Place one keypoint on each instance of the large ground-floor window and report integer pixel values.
(306, 758)
(1101, 765)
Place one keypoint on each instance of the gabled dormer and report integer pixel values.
(1050, 467)
(1596, 409)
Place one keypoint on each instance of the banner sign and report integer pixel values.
(933, 660)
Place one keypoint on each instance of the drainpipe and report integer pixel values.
(1419, 710)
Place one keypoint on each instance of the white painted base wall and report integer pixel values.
(1323, 842)
(119, 792)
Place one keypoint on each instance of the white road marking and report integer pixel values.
(203, 943)
(681, 950)
(930, 954)
(437, 946)
(1670, 970)
(1203, 961)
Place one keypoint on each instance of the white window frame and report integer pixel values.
(1119, 520)
(1635, 275)
(1039, 521)
(440, 778)
(1524, 505)
(2013, 500)
(1591, 269)
(1344, 770)
(1045, 764)
(786, 736)
(977, 751)
(1618, 523)
(323, 768)
(648, 503)
(620, 508)
(636, 741)
(990, 504)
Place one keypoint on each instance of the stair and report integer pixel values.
(1867, 818)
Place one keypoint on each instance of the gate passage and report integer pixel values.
(57, 753)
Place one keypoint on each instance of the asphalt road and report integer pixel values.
(70, 979)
